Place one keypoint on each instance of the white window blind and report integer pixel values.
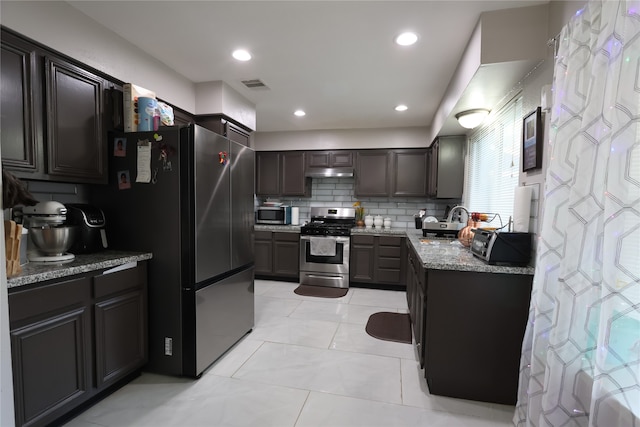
(493, 163)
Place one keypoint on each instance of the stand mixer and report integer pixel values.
(49, 237)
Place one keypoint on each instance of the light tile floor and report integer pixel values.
(308, 362)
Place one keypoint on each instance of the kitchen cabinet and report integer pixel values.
(409, 168)
(416, 284)
(182, 118)
(20, 98)
(329, 159)
(54, 327)
(53, 121)
(372, 173)
(446, 168)
(281, 174)
(277, 255)
(377, 260)
(475, 324)
(222, 125)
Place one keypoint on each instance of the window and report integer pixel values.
(493, 163)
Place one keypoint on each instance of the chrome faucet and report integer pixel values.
(453, 211)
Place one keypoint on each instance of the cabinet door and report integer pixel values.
(361, 260)
(182, 118)
(120, 324)
(341, 159)
(450, 170)
(267, 173)
(51, 350)
(263, 248)
(318, 159)
(410, 173)
(21, 121)
(237, 134)
(372, 173)
(293, 181)
(76, 147)
(432, 174)
(286, 255)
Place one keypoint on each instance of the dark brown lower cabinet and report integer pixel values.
(53, 328)
(378, 260)
(277, 255)
(475, 324)
(416, 283)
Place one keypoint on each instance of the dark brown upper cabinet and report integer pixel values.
(221, 125)
(20, 99)
(446, 169)
(281, 174)
(329, 159)
(410, 168)
(76, 145)
(372, 173)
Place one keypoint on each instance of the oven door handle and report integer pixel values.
(340, 239)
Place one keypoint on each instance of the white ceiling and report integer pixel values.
(334, 59)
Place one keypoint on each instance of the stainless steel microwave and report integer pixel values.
(277, 215)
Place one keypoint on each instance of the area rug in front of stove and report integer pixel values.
(320, 291)
(388, 326)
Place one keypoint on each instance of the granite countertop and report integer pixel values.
(381, 231)
(38, 272)
(278, 228)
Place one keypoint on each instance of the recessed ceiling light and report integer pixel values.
(241, 55)
(406, 39)
(299, 113)
(402, 107)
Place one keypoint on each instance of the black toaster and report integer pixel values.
(91, 223)
(503, 248)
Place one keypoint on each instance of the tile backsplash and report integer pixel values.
(339, 192)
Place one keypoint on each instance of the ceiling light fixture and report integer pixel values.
(401, 107)
(299, 113)
(406, 39)
(472, 118)
(241, 55)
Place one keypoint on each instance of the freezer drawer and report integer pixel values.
(224, 314)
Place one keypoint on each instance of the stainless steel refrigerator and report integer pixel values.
(196, 215)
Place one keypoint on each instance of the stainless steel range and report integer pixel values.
(324, 247)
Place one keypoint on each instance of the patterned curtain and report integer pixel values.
(580, 362)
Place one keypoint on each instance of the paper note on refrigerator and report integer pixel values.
(144, 161)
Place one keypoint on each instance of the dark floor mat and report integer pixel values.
(390, 327)
(320, 291)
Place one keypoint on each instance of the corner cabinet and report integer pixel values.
(281, 174)
(446, 167)
(72, 339)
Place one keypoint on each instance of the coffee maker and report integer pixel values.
(90, 220)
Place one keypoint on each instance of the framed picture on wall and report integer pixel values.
(532, 140)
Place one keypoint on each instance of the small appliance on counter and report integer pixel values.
(49, 237)
(92, 236)
(504, 248)
(450, 226)
(273, 214)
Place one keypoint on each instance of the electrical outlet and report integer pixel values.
(168, 346)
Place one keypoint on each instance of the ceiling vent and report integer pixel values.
(254, 84)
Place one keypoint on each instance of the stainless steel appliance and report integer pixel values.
(196, 214)
(276, 215)
(506, 248)
(92, 236)
(49, 237)
(324, 247)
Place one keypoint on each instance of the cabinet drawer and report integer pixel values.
(43, 301)
(287, 237)
(389, 263)
(389, 251)
(113, 283)
(392, 276)
(390, 241)
(263, 235)
(363, 240)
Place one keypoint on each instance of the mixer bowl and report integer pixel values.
(53, 240)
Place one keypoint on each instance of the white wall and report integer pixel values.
(89, 42)
(413, 137)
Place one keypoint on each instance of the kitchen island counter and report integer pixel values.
(39, 272)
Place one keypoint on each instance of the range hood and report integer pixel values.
(329, 173)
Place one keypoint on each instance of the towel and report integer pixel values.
(322, 246)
